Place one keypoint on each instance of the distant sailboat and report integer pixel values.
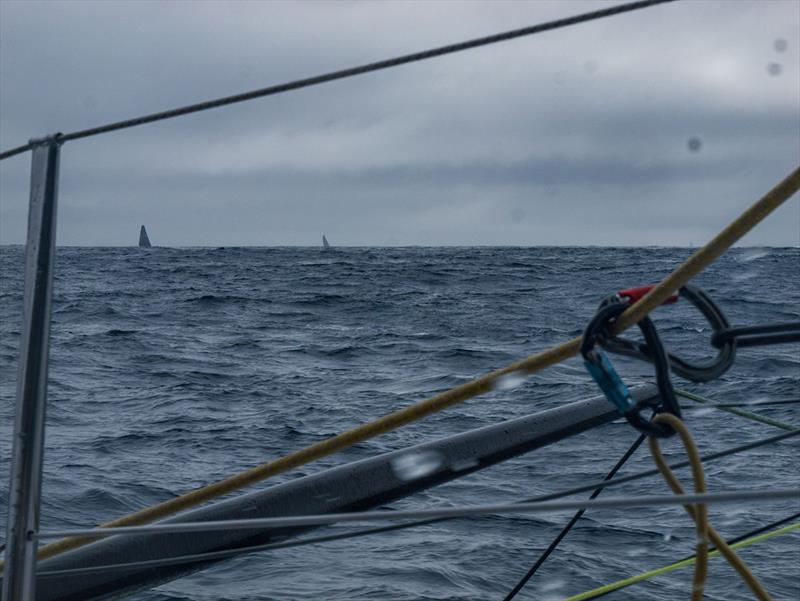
(325, 244)
(144, 241)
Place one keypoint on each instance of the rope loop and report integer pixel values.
(699, 513)
(603, 372)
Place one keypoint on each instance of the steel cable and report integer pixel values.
(566, 529)
(350, 72)
(216, 555)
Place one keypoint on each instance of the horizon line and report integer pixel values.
(226, 246)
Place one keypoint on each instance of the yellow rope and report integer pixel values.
(608, 588)
(699, 513)
(698, 261)
(711, 251)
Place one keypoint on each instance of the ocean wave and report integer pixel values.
(176, 368)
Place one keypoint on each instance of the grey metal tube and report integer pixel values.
(352, 487)
(28, 443)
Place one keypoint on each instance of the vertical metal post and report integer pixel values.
(19, 574)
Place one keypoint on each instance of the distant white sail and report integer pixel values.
(325, 244)
(144, 241)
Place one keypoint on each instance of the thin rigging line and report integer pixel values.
(566, 529)
(215, 555)
(453, 512)
(350, 72)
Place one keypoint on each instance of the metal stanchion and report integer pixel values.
(28, 446)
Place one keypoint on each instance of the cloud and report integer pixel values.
(577, 136)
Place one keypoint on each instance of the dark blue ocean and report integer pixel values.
(172, 368)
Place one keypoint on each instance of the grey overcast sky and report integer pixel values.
(577, 136)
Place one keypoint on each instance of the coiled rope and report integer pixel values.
(680, 276)
(699, 512)
(351, 72)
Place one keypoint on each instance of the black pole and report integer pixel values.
(352, 487)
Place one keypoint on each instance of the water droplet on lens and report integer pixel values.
(551, 586)
(774, 68)
(636, 551)
(509, 381)
(694, 144)
(733, 522)
(464, 464)
(752, 254)
(781, 45)
(757, 401)
(745, 275)
(412, 466)
(552, 590)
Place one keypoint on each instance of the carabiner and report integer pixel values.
(602, 371)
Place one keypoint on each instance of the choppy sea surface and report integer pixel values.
(172, 368)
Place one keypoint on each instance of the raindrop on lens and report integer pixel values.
(732, 521)
(752, 254)
(636, 551)
(694, 144)
(509, 381)
(412, 466)
(781, 45)
(774, 68)
(743, 276)
(551, 590)
(517, 214)
(465, 464)
(553, 585)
